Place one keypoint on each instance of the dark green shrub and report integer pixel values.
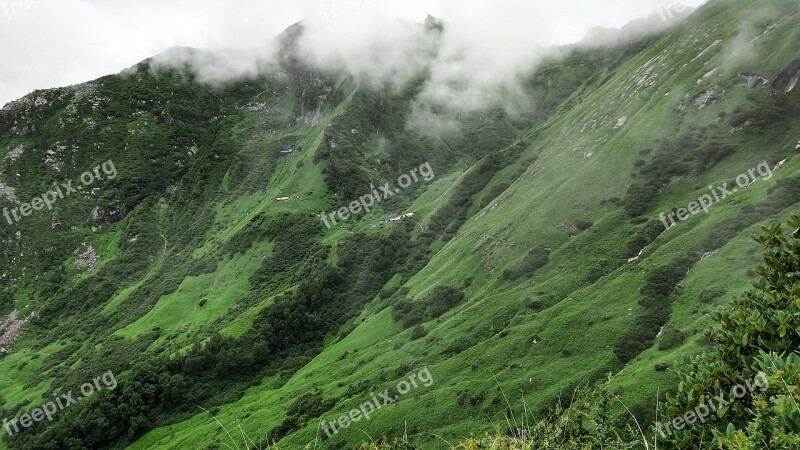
(658, 287)
(459, 346)
(537, 305)
(509, 275)
(408, 312)
(418, 333)
(639, 198)
(533, 261)
(442, 299)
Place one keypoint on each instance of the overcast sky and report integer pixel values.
(51, 43)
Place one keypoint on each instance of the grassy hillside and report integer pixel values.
(536, 261)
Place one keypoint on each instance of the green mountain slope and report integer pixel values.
(536, 261)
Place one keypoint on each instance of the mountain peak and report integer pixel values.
(433, 23)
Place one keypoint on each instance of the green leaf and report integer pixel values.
(792, 422)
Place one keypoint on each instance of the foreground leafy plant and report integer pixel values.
(584, 423)
(758, 335)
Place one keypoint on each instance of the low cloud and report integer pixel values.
(370, 45)
(477, 62)
(474, 64)
(217, 66)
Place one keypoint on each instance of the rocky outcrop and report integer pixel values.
(433, 23)
(87, 259)
(8, 193)
(52, 158)
(18, 116)
(705, 99)
(15, 154)
(713, 45)
(9, 330)
(707, 75)
(751, 81)
(787, 80)
(109, 217)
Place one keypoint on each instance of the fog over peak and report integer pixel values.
(484, 47)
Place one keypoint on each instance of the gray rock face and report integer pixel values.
(788, 78)
(705, 99)
(9, 330)
(87, 259)
(751, 81)
(8, 192)
(15, 154)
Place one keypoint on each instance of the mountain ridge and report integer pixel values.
(535, 262)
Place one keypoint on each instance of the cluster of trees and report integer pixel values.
(659, 283)
(375, 120)
(674, 158)
(533, 261)
(698, 151)
(114, 118)
(450, 217)
(304, 409)
(764, 111)
(155, 390)
(6, 301)
(411, 312)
